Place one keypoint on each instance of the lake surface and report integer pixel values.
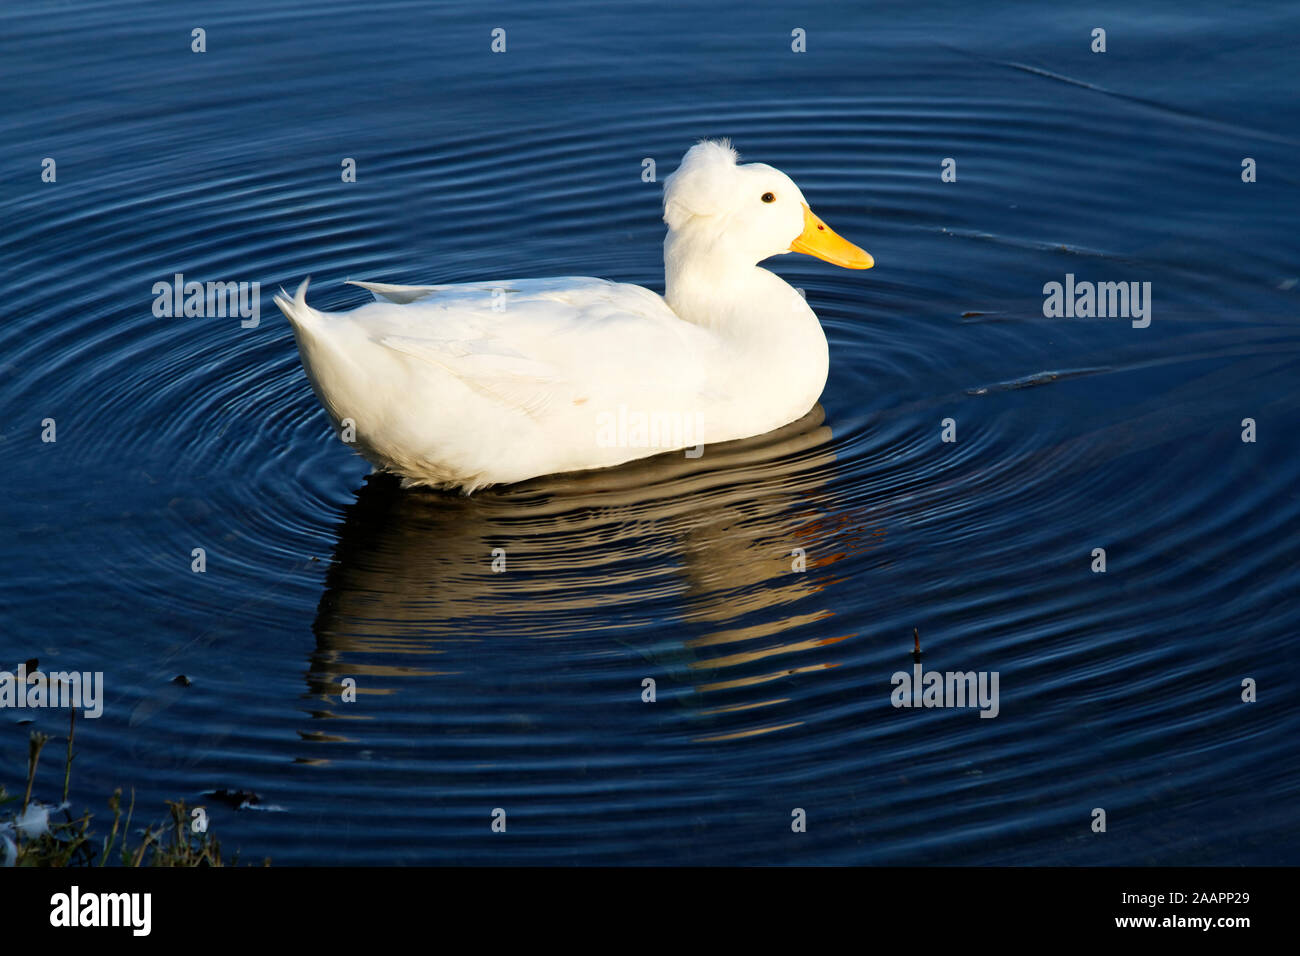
(523, 690)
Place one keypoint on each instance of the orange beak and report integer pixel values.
(820, 240)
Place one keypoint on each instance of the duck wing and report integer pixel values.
(532, 344)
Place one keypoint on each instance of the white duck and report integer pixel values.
(461, 386)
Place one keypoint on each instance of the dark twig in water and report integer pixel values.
(34, 745)
(67, 767)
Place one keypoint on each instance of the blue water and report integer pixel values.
(522, 691)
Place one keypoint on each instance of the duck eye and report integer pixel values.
(768, 197)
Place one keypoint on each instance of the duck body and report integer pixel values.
(462, 386)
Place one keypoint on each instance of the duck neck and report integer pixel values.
(709, 283)
(763, 324)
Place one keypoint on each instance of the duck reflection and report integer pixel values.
(711, 570)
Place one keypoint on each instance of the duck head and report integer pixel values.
(725, 216)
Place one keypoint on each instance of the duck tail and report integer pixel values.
(296, 310)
